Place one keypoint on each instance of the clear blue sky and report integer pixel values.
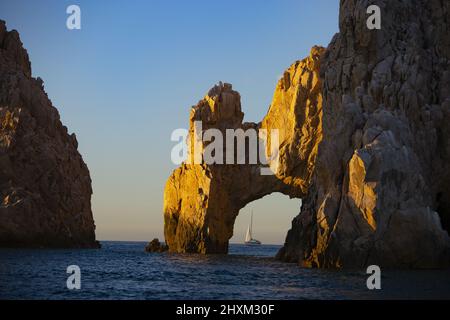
(128, 78)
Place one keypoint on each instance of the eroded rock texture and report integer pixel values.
(365, 142)
(45, 186)
(380, 192)
(201, 201)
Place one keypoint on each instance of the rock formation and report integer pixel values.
(45, 186)
(364, 142)
(156, 246)
(380, 192)
(201, 201)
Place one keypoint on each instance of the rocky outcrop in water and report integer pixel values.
(380, 192)
(156, 246)
(365, 143)
(201, 201)
(45, 186)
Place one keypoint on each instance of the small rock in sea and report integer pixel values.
(156, 246)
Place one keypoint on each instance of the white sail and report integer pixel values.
(251, 225)
(248, 235)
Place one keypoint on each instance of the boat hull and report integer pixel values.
(253, 242)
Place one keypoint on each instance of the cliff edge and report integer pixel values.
(364, 142)
(381, 187)
(45, 186)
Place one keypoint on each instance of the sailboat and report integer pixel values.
(248, 237)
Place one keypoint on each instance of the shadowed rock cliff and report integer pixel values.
(380, 192)
(365, 142)
(45, 186)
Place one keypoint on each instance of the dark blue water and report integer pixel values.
(122, 270)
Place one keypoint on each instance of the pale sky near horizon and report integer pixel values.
(127, 79)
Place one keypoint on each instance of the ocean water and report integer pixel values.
(122, 270)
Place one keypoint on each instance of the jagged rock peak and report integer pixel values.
(13, 50)
(45, 187)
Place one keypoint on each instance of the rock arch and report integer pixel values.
(201, 201)
(366, 146)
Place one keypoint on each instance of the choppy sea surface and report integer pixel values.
(122, 270)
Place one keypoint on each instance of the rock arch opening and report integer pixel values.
(272, 218)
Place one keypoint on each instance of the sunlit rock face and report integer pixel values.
(364, 141)
(381, 187)
(201, 201)
(45, 186)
